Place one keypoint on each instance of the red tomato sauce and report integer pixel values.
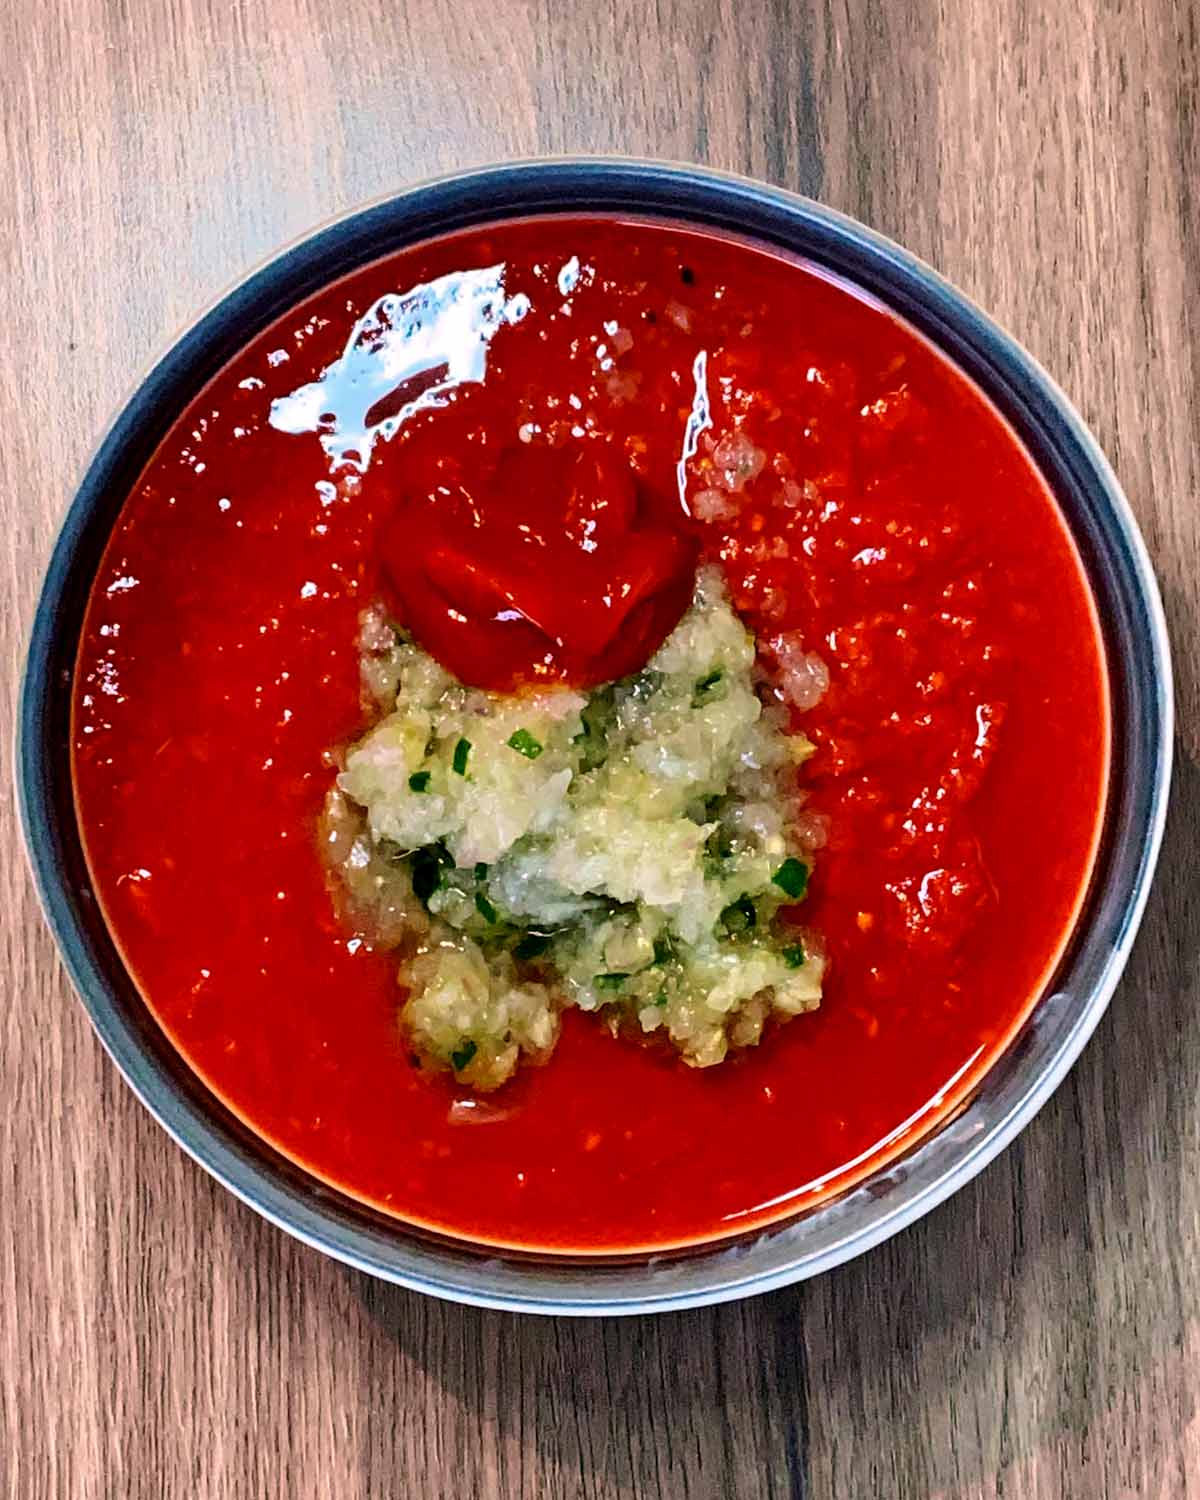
(882, 517)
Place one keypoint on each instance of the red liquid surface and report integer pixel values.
(895, 528)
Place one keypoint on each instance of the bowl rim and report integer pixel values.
(902, 1191)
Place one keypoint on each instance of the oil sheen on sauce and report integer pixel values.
(390, 437)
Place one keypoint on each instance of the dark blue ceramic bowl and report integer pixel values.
(1016, 1086)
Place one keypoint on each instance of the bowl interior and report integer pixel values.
(1016, 1085)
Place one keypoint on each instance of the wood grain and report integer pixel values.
(1039, 1335)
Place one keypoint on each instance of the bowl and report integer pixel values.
(1020, 1081)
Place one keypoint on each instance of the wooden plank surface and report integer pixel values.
(1037, 1337)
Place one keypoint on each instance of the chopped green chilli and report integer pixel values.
(461, 751)
(427, 867)
(794, 956)
(524, 744)
(485, 908)
(740, 916)
(462, 1056)
(792, 878)
(532, 945)
(419, 781)
(706, 687)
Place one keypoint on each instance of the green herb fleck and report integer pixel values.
(792, 878)
(532, 945)
(460, 1058)
(706, 687)
(610, 981)
(427, 865)
(599, 715)
(525, 744)
(719, 844)
(419, 781)
(645, 684)
(461, 751)
(741, 916)
(481, 871)
(794, 956)
(484, 907)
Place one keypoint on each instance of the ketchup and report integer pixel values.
(549, 568)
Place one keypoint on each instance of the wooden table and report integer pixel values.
(1038, 1336)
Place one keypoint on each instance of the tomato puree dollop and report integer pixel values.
(549, 568)
(522, 439)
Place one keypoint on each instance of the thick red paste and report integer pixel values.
(552, 569)
(883, 518)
